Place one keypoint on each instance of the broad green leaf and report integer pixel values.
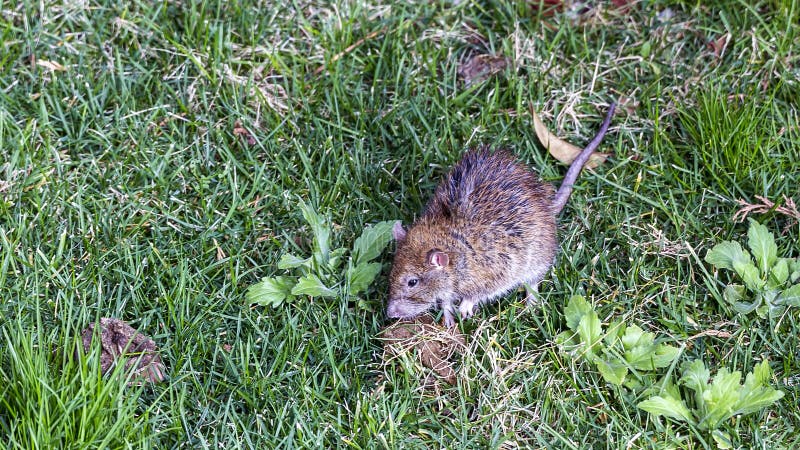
(361, 276)
(762, 245)
(775, 306)
(758, 399)
(750, 276)
(722, 439)
(612, 372)
(656, 356)
(794, 269)
(311, 286)
(671, 390)
(668, 407)
(761, 374)
(336, 258)
(372, 242)
(695, 377)
(791, 296)
(756, 394)
(636, 337)
(589, 331)
(289, 261)
(576, 308)
(664, 355)
(724, 254)
(651, 357)
(322, 234)
(764, 311)
(568, 342)
(721, 398)
(270, 291)
(616, 330)
(779, 273)
(735, 295)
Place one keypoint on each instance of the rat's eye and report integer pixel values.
(413, 282)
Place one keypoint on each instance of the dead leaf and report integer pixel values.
(239, 130)
(561, 149)
(52, 65)
(720, 44)
(120, 340)
(220, 253)
(432, 344)
(481, 67)
(715, 333)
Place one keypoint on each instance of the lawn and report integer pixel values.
(153, 156)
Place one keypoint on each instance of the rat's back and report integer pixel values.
(502, 218)
(489, 189)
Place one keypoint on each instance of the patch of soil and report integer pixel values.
(433, 345)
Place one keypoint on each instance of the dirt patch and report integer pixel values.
(429, 343)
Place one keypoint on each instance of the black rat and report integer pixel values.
(490, 227)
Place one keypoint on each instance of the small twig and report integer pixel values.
(766, 205)
(349, 49)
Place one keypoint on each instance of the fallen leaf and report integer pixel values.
(561, 149)
(52, 65)
(481, 67)
(120, 340)
(239, 130)
(718, 45)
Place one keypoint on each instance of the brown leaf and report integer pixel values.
(718, 45)
(120, 340)
(561, 149)
(239, 130)
(481, 67)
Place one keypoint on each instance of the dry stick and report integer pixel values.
(766, 206)
(350, 49)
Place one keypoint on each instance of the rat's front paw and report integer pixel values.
(449, 320)
(466, 308)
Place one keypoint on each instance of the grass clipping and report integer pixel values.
(428, 343)
(120, 341)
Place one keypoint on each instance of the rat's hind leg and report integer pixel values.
(532, 294)
(532, 287)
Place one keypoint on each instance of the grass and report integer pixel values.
(129, 189)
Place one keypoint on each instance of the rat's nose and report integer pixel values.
(393, 310)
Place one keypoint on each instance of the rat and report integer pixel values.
(489, 228)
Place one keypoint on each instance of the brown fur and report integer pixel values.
(490, 227)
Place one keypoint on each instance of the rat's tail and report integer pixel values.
(575, 168)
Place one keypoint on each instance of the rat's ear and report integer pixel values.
(438, 259)
(398, 232)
